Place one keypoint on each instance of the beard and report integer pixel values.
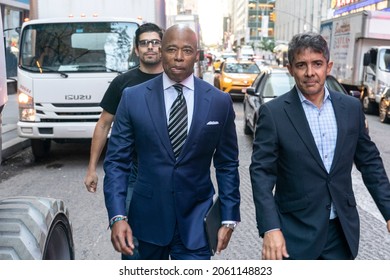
(150, 59)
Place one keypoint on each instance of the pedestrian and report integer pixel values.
(173, 190)
(147, 47)
(305, 145)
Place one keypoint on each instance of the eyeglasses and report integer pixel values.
(145, 43)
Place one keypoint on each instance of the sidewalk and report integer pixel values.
(11, 143)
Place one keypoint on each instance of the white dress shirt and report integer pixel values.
(170, 95)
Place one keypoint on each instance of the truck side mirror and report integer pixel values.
(366, 59)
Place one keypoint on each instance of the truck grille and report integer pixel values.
(65, 112)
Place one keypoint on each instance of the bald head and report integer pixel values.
(182, 29)
(179, 52)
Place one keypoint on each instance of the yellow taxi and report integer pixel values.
(233, 76)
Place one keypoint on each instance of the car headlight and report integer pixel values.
(26, 108)
(227, 80)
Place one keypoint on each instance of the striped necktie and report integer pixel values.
(177, 127)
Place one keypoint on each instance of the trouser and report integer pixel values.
(336, 247)
(175, 250)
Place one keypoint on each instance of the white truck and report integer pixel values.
(69, 53)
(359, 47)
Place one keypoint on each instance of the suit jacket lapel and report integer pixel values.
(202, 101)
(296, 115)
(339, 108)
(156, 106)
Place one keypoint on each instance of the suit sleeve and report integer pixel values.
(263, 171)
(118, 161)
(226, 167)
(369, 162)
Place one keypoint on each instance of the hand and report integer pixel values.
(224, 235)
(122, 238)
(91, 181)
(274, 246)
(388, 225)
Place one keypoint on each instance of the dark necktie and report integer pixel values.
(177, 127)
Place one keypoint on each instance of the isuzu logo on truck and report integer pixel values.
(77, 97)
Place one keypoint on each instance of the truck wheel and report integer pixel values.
(34, 228)
(383, 109)
(40, 148)
(368, 106)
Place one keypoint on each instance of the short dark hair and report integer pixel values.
(309, 40)
(147, 27)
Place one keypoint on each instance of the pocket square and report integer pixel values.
(212, 123)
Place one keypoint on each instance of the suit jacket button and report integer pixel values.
(328, 206)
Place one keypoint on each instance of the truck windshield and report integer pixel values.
(78, 47)
(384, 60)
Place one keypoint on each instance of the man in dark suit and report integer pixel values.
(173, 190)
(305, 145)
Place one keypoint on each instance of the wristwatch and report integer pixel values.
(232, 226)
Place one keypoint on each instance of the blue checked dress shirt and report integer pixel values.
(323, 126)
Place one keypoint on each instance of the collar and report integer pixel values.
(302, 98)
(188, 82)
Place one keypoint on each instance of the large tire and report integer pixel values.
(40, 148)
(369, 107)
(34, 228)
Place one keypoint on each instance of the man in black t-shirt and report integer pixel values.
(113, 94)
(147, 47)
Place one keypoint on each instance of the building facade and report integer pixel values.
(297, 16)
(252, 22)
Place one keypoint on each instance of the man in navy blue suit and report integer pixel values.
(306, 143)
(173, 190)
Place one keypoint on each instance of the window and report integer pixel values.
(384, 60)
(78, 47)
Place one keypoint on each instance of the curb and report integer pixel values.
(13, 144)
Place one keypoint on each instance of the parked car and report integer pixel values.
(333, 84)
(233, 76)
(268, 85)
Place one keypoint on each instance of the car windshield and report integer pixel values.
(384, 60)
(278, 84)
(244, 68)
